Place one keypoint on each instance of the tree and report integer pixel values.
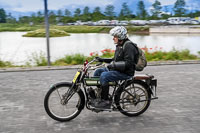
(109, 11)
(179, 9)
(39, 18)
(141, 12)
(97, 10)
(2, 16)
(67, 13)
(52, 17)
(10, 18)
(25, 19)
(125, 11)
(86, 16)
(59, 13)
(39, 14)
(86, 11)
(156, 9)
(77, 12)
(97, 15)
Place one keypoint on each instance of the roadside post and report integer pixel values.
(47, 31)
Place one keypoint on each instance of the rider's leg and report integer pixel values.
(98, 72)
(104, 92)
(111, 76)
(105, 78)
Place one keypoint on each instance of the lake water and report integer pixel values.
(18, 49)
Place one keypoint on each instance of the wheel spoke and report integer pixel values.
(59, 94)
(134, 100)
(62, 111)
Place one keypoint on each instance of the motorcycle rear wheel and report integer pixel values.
(56, 109)
(134, 99)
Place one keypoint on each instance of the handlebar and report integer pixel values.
(87, 65)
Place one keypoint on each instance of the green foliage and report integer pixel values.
(18, 27)
(156, 9)
(179, 8)
(109, 11)
(2, 16)
(125, 12)
(141, 11)
(199, 53)
(71, 60)
(5, 64)
(68, 29)
(67, 13)
(77, 12)
(138, 30)
(83, 29)
(171, 55)
(37, 59)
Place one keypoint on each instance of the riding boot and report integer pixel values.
(104, 92)
(104, 103)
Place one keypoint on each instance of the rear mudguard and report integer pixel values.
(80, 92)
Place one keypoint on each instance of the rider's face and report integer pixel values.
(115, 39)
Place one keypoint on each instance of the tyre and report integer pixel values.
(63, 111)
(134, 99)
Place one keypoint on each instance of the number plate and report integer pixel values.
(75, 77)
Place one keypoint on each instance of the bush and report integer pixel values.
(71, 59)
(171, 55)
(38, 59)
(5, 64)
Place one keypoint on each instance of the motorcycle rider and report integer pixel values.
(121, 67)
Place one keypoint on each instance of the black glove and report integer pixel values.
(111, 66)
(99, 59)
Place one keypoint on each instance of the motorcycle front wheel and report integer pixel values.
(134, 99)
(58, 108)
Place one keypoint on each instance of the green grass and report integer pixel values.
(99, 29)
(83, 29)
(70, 29)
(18, 27)
(42, 33)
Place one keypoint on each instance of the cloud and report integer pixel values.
(35, 5)
(22, 5)
(54, 4)
(164, 2)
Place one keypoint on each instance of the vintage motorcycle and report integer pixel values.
(64, 101)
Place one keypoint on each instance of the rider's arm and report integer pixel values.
(106, 60)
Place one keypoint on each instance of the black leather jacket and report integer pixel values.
(126, 54)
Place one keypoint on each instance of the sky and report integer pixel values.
(23, 6)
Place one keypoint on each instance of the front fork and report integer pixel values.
(70, 92)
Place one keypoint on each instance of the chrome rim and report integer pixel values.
(137, 101)
(58, 108)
